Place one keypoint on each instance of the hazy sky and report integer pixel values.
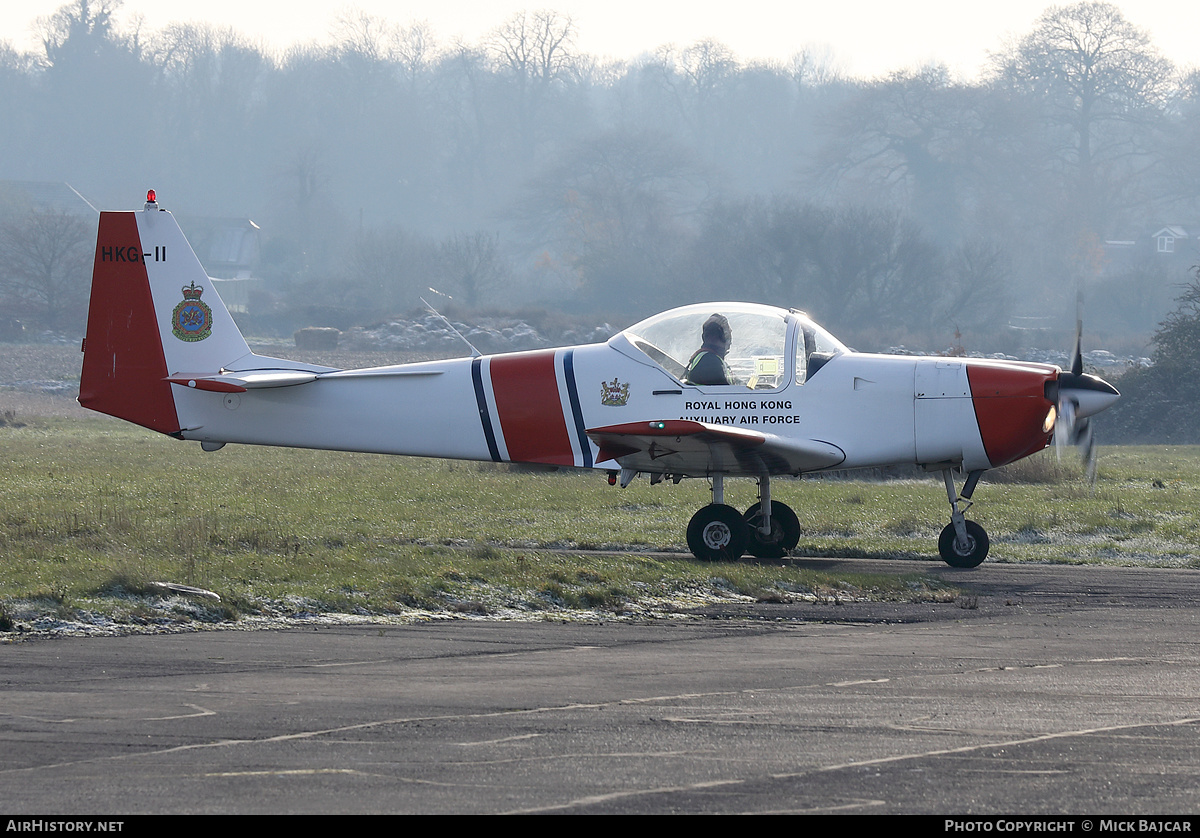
(869, 37)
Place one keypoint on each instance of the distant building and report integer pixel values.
(1170, 248)
(229, 249)
(1167, 237)
(19, 196)
(1140, 277)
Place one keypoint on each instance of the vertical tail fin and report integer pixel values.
(153, 313)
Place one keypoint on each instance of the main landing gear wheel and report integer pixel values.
(970, 554)
(717, 532)
(784, 535)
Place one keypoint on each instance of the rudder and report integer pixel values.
(153, 313)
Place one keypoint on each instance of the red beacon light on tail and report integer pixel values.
(151, 199)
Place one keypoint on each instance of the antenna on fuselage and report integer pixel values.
(475, 353)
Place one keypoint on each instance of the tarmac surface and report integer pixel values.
(1044, 690)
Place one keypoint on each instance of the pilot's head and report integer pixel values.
(716, 334)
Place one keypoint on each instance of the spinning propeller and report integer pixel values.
(1080, 396)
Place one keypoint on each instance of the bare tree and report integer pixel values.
(387, 271)
(45, 256)
(536, 50)
(759, 248)
(414, 49)
(1177, 180)
(473, 264)
(707, 64)
(817, 65)
(216, 78)
(1100, 79)
(612, 206)
(697, 77)
(909, 136)
(363, 35)
(975, 292)
(875, 264)
(535, 47)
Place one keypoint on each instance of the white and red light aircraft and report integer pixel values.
(161, 350)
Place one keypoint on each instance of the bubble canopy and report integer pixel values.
(770, 348)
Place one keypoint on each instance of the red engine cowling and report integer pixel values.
(1012, 409)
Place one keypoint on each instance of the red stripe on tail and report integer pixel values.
(123, 364)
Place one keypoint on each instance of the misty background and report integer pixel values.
(340, 182)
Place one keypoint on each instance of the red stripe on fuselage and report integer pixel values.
(123, 365)
(1010, 406)
(530, 409)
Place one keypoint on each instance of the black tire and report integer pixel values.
(977, 546)
(785, 531)
(717, 533)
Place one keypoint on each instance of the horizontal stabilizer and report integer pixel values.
(240, 382)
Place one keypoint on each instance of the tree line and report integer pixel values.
(521, 170)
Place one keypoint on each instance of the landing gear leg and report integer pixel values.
(962, 543)
(717, 532)
(773, 527)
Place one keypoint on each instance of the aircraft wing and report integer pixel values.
(684, 447)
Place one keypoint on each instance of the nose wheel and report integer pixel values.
(963, 553)
(962, 543)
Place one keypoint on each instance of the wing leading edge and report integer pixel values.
(687, 448)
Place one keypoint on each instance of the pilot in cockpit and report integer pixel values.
(707, 364)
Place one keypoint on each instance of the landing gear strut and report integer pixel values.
(962, 543)
(774, 527)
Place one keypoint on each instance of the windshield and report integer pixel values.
(757, 349)
(758, 354)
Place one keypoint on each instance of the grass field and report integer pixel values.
(93, 511)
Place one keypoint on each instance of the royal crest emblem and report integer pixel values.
(614, 393)
(192, 319)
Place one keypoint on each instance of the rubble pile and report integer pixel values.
(488, 335)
